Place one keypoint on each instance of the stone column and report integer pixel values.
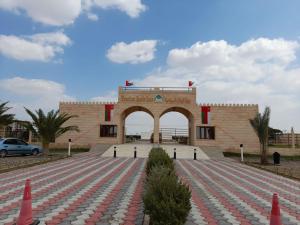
(191, 131)
(30, 137)
(156, 130)
(120, 134)
(293, 138)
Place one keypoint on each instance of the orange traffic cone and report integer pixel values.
(275, 213)
(25, 216)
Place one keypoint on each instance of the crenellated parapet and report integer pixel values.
(88, 103)
(227, 105)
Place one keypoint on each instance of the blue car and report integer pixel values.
(14, 146)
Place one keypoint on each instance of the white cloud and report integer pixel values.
(263, 71)
(133, 8)
(50, 12)
(39, 47)
(65, 12)
(58, 38)
(111, 96)
(33, 94)
(92, 16)
(134, 52)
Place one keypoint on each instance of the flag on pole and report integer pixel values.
(128, 83)
(205, 114)
(109, 109)
(191, 83)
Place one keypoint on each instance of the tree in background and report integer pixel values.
(49, 127)
(5, 118)
(260, 123)
(273, 133)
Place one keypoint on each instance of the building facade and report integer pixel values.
(225, 126)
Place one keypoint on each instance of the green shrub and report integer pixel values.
(166, 198)
(158, 157)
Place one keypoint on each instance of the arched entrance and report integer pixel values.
(179, 127)
(137, 124)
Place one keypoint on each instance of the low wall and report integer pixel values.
(63, 145)
(281, 151)
(284, 151)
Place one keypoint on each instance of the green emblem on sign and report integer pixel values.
(158, 98)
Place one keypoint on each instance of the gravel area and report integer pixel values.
(289, 168)
(15, 162)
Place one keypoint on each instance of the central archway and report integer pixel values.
(137, 124)
(180, 131)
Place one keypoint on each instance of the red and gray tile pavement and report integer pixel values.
(90, 189)
(226, 192)
(84, 190)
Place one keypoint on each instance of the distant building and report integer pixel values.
(16, 130)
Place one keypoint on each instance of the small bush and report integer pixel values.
(158, 157)
(166, 199)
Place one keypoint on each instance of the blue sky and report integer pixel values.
(205, 41)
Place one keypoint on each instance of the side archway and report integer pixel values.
(183, 132)
(125, 114)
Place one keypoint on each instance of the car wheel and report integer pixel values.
(3, 153)
(35, 152)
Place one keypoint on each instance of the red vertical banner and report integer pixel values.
(205, 114)
(109, 112)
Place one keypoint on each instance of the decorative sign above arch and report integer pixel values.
(158, 98)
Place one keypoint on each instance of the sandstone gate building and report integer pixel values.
(221, 125)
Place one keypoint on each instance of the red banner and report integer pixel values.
(108, 111)
(205, 113)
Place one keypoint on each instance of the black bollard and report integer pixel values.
(195, 154)
(174, 153)
(134, 152)
(115, 152)
(276, 158)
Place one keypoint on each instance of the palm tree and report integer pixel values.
(5, 119)
(48, 127)
(260, 123)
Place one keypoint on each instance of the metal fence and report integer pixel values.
(133, 88)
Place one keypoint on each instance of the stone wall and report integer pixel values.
(232, 127)
(284, 151)
(231, 122)
(89, 117)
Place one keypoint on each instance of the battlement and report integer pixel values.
(87, 103)
(227, 105)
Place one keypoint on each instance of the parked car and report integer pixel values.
(14, 146)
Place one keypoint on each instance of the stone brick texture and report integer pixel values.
(231, 121)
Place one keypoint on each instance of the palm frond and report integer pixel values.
(5, 118)
(49, 126)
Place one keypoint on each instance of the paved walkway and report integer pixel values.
(182, 151)
(90, 189)
(82, 190)
(226, 192)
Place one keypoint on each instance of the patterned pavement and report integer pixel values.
(226, 192)
(81, 190)
(90, 189)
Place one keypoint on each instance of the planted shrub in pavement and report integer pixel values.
(166, 198)
(158, 157)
